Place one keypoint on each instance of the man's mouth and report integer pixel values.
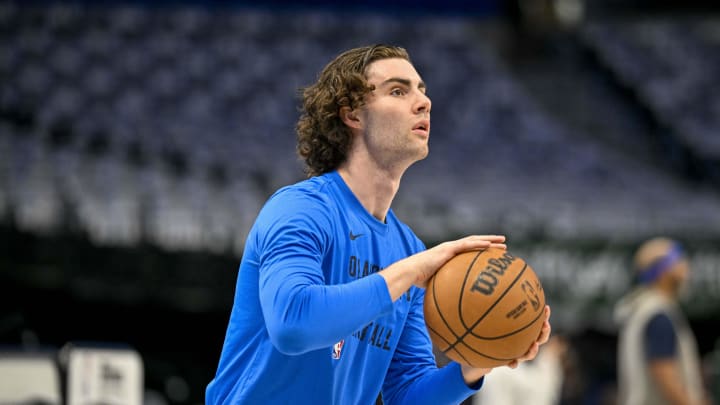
(423, 125)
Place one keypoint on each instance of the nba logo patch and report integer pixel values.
(337, 349)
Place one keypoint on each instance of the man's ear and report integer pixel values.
(349, 117)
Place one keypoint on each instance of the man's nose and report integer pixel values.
(424, 104)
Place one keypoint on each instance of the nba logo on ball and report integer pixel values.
(337, 349)
(484, 308)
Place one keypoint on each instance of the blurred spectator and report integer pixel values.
(538, 381)
(658, 359)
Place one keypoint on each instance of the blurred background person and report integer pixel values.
(537, 382)
(658, 359)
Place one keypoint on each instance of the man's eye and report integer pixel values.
(397, 92)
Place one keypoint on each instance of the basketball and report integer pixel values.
(484, 308)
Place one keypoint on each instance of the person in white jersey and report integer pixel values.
(658, 360)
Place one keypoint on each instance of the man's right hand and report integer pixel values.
(420, 267)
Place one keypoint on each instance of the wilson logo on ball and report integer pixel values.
(487, 280)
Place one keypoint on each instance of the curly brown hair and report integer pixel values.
(323, 139)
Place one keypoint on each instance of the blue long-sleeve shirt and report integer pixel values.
(313, 322)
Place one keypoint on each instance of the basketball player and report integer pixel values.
(658, 361)
(329, 300)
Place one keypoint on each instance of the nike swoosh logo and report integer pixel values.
(353, 237)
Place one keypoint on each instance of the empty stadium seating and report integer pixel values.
(172, 126)
(673, 64)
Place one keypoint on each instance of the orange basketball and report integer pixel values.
(484, 308)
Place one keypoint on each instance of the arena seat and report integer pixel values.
(29, 377)
(98, 372)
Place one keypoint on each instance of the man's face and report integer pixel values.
(396, 115)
